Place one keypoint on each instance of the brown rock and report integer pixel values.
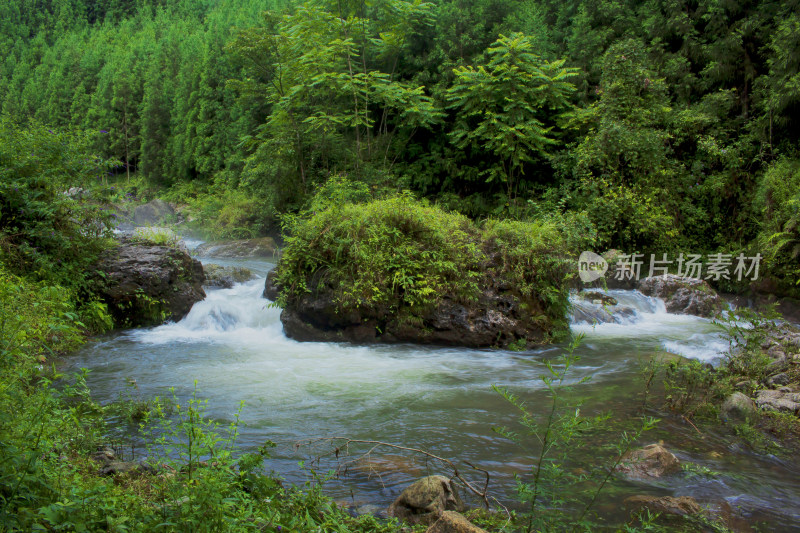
(453, 522)
(425, 500)
(665, 505)
(652, 461)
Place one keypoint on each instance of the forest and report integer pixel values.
(670, 125)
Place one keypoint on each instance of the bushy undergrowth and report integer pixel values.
(402, 255)
(45, 231)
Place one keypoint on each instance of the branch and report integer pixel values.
(345, 447)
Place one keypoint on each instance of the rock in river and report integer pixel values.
(244, 248)
(683, 296)
(224, 277)
(425, 500)
(652, 461)
(147, 284)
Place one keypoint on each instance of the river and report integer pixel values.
(436, 398)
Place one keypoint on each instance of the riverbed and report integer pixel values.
(438, 399)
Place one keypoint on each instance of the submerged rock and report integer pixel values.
(665, 505)
(425, 500)
(240, 249)
(224, 277)
(147, 284)
(652, 461)
(684, 296)
(453, 522)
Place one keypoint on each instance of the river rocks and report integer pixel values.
(776, 400)
(683, 296)
(494, 320)
(739, 408)
(453, 522)
(653, 461)
(271, 288)
(224, 277)
(596, 297)
(241, 249)
(152, 212)
(665, 505)
(110, 465)
(424, 501)
(145, 284)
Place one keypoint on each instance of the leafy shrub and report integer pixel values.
(43, 230)
(779, 239)
(401, 255)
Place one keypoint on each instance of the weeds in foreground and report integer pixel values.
(559, 497)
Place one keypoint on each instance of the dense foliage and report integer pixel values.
(399, 256)
(665, 122)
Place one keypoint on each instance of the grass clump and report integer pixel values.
(400, 256)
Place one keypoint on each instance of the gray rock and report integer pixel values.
(425, 500)
(493, 320)
(683, 296)
(145, 284)
(152, 212)
(271, 288)
(597, 297)
(113, 468)
(225, 277)
(785, 402)
(652, 461)
(779, 379)
(240, 249)
(739, 408)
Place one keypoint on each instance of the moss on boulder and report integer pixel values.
(398, 270)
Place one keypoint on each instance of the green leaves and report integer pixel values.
(501, 106)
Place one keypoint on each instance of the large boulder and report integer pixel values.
(653, 461)
(397, 270)
(240, 249)
(225, 277)
(153, 212)
(495, 319)
(425, 500)
(147, 284)
(685, 296)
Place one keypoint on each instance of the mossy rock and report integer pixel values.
(398, 270)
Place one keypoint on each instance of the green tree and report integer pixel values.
(502, 106)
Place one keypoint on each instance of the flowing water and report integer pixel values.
(435, 398)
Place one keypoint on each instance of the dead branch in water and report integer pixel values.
(341, 448)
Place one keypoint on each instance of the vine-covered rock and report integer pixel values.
(396, 270)
(148, 284)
